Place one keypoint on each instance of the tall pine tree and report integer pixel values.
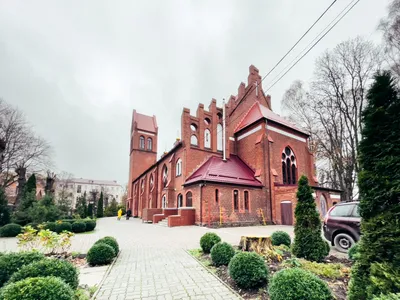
(31, 184)
(377, 270)
(100, 209)
(4, 211)
(308, 241)
(90, 210)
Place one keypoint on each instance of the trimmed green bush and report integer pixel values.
(49, 267)
(248, 270)
(308, 241)
(78, 227)
(60, 227)
(44, 288)
(208, 240)
(388, 297)
(109, 240)
(50, 226)
(100, 254)
(280, 238)
(90, 224)
(353, 252)
(10, 230)
(298, 284)
(12, 262)
(222, 253)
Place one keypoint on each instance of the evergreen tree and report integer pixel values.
(44, 210)
(81, 206)
(100, 210)
(308, 241)
(31, 184)
(90, 210)
(4, 210)
(21, 215)
(112, 209)
(377, 269)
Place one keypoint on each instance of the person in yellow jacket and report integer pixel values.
(119, 214)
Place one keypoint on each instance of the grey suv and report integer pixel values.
(342, 225)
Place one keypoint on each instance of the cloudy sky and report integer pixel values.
(78, 68)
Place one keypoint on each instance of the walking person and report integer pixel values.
(119, 214)
(128, 213)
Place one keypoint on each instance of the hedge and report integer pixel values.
(78, 227)
(10, 230)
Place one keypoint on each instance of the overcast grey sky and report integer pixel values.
(78, 68)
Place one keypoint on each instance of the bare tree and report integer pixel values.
(24, 150)
(390, 27)
(331, 111)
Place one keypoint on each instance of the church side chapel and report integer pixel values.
(233, 165)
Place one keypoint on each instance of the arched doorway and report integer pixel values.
(164, 202)
(286, 213)
(189, 202)
(179, 200)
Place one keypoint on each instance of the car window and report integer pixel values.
(342, 210)
(356, 211)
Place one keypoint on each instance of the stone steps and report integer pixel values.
(163, 223)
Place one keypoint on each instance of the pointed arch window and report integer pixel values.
(151, 182)
(141, 142)
(189, 201)
(179, 167)
(149, 144)
(289, 166)
(193, 140)
(207, 138)
(165, 176)
(180, 200)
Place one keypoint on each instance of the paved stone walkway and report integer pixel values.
(157, 273)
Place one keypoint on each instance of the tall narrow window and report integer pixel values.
(219, 137)
(151, 182)
(149, 144)
(289, 167)
(180, 200)
(179, 167)
(193, 140)
(141, 142)
(164, 202)
(246, 200)
(165, 176)
(236, 200)
(189, 199)
(216, 196)
(207, 138)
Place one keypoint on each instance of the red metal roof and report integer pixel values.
(258, 111)
(233, 171)
(144, 122)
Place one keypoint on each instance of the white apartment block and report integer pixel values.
(76, 187)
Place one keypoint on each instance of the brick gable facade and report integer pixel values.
(194, 174)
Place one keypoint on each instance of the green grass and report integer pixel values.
(204, 259)
(323, 269)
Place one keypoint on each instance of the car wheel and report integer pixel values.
(343, 242)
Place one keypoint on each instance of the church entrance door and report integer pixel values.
(286, 213)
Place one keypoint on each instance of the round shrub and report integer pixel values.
(248, 270)
(100, 254)
(12, 262)
(280, 238)
(353, 252)
(78, 227)
(10, 230)
(298, 284)
(49, 267)
(222, 253)
(50, 226)
(90, 224)
(44, 288)
(109, 240)
(60, 227)
(208, 240)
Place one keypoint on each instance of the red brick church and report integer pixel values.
(246, 176)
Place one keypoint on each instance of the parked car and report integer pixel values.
(342, 225)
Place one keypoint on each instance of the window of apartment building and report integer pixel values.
(289, 168)
(141, 142)
(216, 196)
(149, 144)
(246, 200)
(179, 167)
(207, 138)
(236, 200)
(79, 189)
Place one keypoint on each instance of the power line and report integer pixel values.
(290, 50)
(312, 46)
(279, 74)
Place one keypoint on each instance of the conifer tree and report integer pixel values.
(4, 211)
(90, 210)
(377, 269)
(81, 206)
(100, 209)
(308, 241)
(31, 184)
